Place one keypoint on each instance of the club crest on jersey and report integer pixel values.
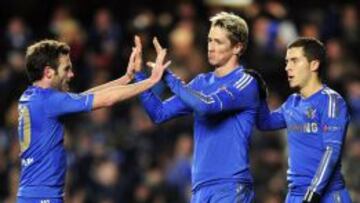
(310, 113)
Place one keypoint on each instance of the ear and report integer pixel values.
(237, 49)
(314, 65)
(48, 72)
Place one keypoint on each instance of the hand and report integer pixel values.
(135, 60)
(138, 56)
(158, 67)
(158, 49)
(130, 66)
(311, 197)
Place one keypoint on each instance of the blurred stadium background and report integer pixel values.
(117, 154)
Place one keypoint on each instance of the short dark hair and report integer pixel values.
(313, 50)
(41, 54)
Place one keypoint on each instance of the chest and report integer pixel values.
(304, 118)
(211, 85)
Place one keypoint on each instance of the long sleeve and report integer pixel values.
(267, 120)
(334, 124)
(161, 111)
(238, 96)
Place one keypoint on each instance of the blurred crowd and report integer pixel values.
(118, 154)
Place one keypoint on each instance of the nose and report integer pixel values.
(287, 67)
(210, 47)
(71, 74)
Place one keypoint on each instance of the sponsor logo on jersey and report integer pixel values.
(309, 127)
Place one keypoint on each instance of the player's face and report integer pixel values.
(297, 68)
(220, 49)
(64, 74)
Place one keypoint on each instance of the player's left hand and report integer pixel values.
(130, 67)
(135, 59)
(159, 49)
(159, 67)
(138, 55)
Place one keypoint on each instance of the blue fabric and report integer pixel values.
(224, 193)
(224, 110)
(39, 200)
(316, 128)
(338, 196)
(41, 137)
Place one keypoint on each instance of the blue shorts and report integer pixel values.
(39, 200)
(339, 196)
(224, 193)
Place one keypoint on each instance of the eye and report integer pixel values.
(68, 68)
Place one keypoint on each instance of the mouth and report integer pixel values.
(290, 77)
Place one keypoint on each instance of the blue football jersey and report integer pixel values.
(316, 128)
(224, 110)
(41, 136)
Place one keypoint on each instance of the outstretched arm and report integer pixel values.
(123, 80)
(267, 120)
(237, 96)
(115, 93)
(230, 97)
(159, 111)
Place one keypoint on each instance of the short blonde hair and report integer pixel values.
(235, 25)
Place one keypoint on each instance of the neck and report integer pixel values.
(225, 69)
(313, 86)
(41, 83)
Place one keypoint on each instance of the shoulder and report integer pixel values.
(50, 93)
(332, 101)
(329, 93)
(243, 80)
(197, 79)
(292, 99)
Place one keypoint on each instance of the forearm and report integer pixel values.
(326, 168)
(123, 80)
(267, 120)
(323, 174)
(160, 111)
(153, 106)
(199, 102)
(110, 95)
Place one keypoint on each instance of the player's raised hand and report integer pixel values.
(131, 63)
(135, 59)
(138, 55)
(157, 45)
(158, 49)
(159, 67)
